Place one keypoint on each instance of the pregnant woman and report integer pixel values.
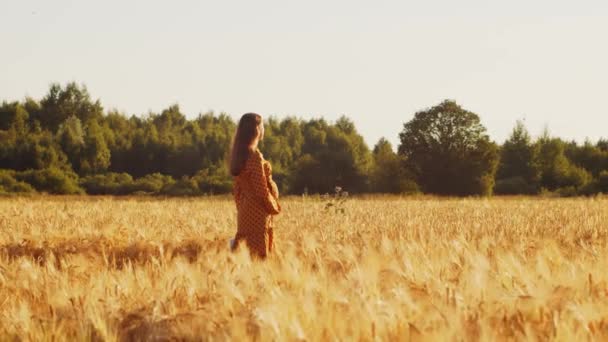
(255, 193)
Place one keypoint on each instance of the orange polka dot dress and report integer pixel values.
(256, 197)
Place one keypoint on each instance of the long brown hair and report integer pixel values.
(246, 133)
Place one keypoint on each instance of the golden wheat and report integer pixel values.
(387, 269)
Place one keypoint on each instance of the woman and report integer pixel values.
(255, 193)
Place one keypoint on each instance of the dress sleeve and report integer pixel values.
(259, 184)
(272, 186)
(274, 189)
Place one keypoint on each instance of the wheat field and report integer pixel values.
(387, 268)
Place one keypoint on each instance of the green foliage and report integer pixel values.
(303, 178)
(332, 155)
(602, 182)
(36, 150)
(208, 181)
(108, 184)
(66, 140)
(588, 156)
(574, 176)
(96, 154)
(602, 145)
(70, 137)
(152, 183)
(448, 151)
(596, 186)
(213, 180)
(518, 172)
(14, 117)
(568, 191)
(183, 187)
(51, 180)
(514, 186)
(388, 173)
(8, 183)
(557, 171)
(61, 103)
(7, 115)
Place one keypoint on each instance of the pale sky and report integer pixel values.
(377, 62)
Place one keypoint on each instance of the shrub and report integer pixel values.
(602, 182)
(8, 183)
(184, 187)
(599, 185)
(589, 189)
(513, 186)
(108, 184)
(573, 176)
(568, 191)
(152, 183)
(544, 192)
(51, 180)
(408, 187)
(213, 181)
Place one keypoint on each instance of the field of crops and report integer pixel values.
(386, 268)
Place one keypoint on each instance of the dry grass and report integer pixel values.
(388, 269)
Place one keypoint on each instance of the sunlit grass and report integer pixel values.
(388, 268)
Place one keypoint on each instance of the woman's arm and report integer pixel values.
(272, 186)
(260, 185)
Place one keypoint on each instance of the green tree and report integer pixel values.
(602, 144)
(557, 171)
(518, 171)
(71, 138)
(602, 182)
(14, 117)
(20, 121)
(388, 174)
(96, 154)
(282, 145)
(332, 155)
(61, 103)
(8, 183)
(588, 156)
(449, 152)
(108, 184)
(37, 150)
(51, 180)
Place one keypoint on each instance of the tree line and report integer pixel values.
(66, 143)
